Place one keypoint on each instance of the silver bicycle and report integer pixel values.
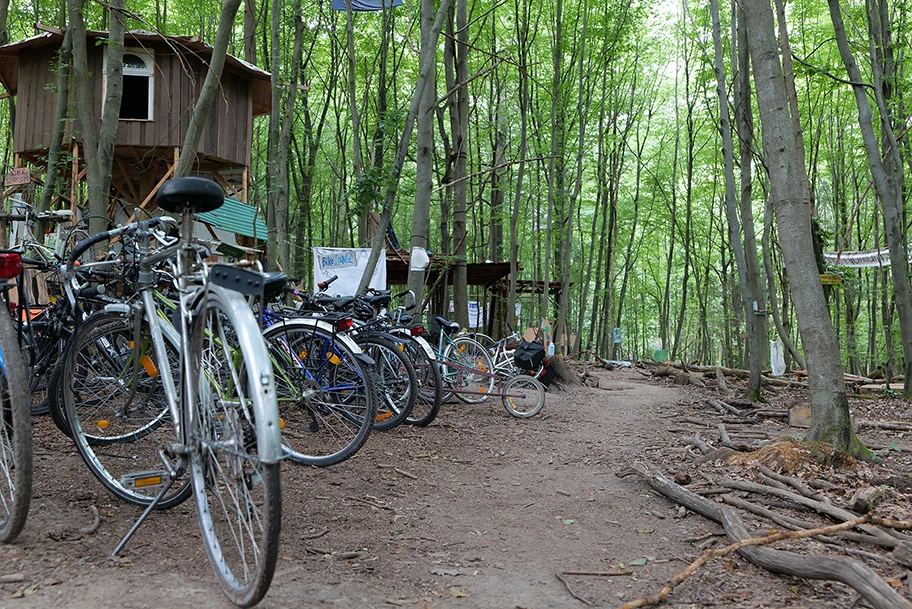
(191, 388)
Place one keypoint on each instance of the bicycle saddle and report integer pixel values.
(447, 326)
(337, 302)
(199, 194)
(274, 281)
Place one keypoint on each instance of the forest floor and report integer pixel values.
(478, 510)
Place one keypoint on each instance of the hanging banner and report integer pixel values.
(859, 260)
(348, 264)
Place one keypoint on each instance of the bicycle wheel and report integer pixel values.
(394, 379)
(523, 396)
(116, 407)
(15, 435)
(326, 396)
(237, 495)
(473, 378)
(42, 375)
(430, 385)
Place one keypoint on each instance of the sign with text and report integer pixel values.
(349, 265)
(18, 177)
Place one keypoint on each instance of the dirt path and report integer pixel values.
(488, 510)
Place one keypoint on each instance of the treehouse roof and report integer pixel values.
(236, 217)
(187, 45)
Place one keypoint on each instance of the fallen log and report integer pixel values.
(846, 570)
(888, 425)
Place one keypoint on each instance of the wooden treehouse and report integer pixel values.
(162, 79)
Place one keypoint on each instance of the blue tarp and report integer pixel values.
(365, 5)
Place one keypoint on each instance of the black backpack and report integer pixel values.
(529, 355)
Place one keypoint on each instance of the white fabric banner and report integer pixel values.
(349, 264)
(859, 260)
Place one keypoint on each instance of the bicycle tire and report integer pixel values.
(43, 375)
(326, 396)
(430, 385)
(471, 356)
(15, 435)
(523, 396)
(394, 379)
(237, 496)
(117, 412)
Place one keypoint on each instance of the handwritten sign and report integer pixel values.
(18, 177)
(338, 260)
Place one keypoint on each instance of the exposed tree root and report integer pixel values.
(850, 572)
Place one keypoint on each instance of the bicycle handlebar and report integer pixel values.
(84, 245)
(325, 284)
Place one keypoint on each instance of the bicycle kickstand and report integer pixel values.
(172, 477)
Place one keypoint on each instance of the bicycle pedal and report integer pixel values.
(146, 479)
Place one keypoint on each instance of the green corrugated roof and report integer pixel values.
(236, 217)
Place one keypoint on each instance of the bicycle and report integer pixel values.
(15, 418)
(325, 391)
(465, 365)
(206, 380)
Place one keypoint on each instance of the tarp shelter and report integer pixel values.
(237, 229)
(236, 217)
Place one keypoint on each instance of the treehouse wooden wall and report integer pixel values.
(177, 81)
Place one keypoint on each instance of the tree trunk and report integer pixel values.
(424, 161)
(98, 151)
(459, 126)
(829, 402)
(60, 116)
(210, 88)
(734, 226)
(428, 57)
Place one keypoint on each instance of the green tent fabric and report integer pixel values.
(236, 217)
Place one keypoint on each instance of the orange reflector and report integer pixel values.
(383, 416)
(281, 423)
(150, 481)
(102, 424)
(334, 359)
(147, 363)
(303, 354)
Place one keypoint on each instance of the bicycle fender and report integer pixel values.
(265, 406)
(345, 339)
(420, 340)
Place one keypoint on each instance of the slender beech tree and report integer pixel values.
(98, 148)
(731, 211)
(424, 159)
(886, 172)
(427, 57)
(210, 88)
(830, 420)
(64, 59)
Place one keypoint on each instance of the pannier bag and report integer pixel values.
(547, 375)
(529, 355)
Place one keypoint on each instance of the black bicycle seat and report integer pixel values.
(274, 282)
(199, 194)
(447, 326)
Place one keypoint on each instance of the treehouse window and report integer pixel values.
(138, 80)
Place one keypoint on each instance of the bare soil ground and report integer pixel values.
(478, 510)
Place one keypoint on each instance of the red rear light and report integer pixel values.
(416, 331)
(344, 324)
(10, 265)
